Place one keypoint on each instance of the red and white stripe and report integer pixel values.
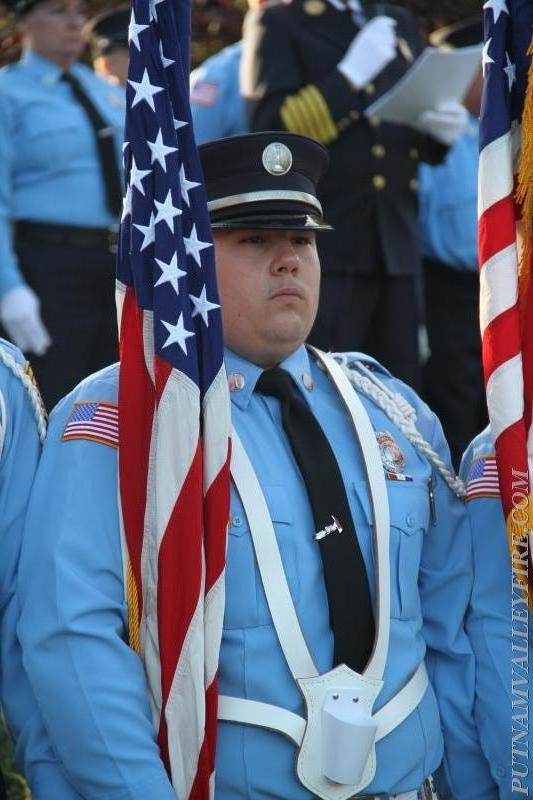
(182, 448)
(506, 362)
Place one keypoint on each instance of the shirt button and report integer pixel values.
(236, 382)
(500, 771)
(377, 150)
(413, 185)
(236, 521)
(375, 122)
(379, 182)
(413, 152)
(410, 520)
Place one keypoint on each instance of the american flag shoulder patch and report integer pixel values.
(483, 478)
(96, 421)
(204, 93)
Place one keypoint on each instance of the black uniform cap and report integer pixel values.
(107, 31)
(21, 7)
(466, 33)
(264, 180)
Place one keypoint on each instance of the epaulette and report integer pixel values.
(22, 370)
(353, 359)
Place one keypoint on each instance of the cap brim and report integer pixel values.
(285, 222)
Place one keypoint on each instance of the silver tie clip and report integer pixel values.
(335, 526)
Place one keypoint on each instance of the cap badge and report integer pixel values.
(314, 7)
(277, 158)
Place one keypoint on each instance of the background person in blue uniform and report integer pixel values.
(217, 105)
(107, 36)
(58, 199)
(22, 424)
(96, 706)
(453, 377)
(312, 67)
(503, 645)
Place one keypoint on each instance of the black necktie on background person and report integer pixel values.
(350, 607)
(104, 142)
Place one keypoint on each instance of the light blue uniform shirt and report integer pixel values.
(96, 706)
(218, 110)
(49, 165)
(448, 204)
(503, 686)
(18, 464)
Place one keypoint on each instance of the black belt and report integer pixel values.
(70, 235)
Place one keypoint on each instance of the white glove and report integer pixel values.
(445, 123)
(19, 314)
(370, 51)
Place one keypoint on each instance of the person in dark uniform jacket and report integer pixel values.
(312, 67)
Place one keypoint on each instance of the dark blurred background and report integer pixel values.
(216, 23)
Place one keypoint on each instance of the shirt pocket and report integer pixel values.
(409, 520)
(53, 144)
(246, 604)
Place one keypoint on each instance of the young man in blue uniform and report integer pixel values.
(91, 686)
(500, 629)
(61, 131)
(22, 427)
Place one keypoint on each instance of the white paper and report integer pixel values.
(436, 76)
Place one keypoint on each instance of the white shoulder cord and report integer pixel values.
(35, 397)
(399, 411)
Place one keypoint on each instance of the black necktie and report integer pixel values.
(350, 607)
(105, 143)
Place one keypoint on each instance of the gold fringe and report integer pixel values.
(518, 533)
(524, 192)
(133, 610)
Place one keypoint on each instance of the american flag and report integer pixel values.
(506, 292)
(97, 421)
(482, 480)
(174, 421)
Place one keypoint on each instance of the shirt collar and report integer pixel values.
(41, 67)
(240, 371)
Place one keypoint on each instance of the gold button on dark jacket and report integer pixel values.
(377, 150)
(379, 182)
